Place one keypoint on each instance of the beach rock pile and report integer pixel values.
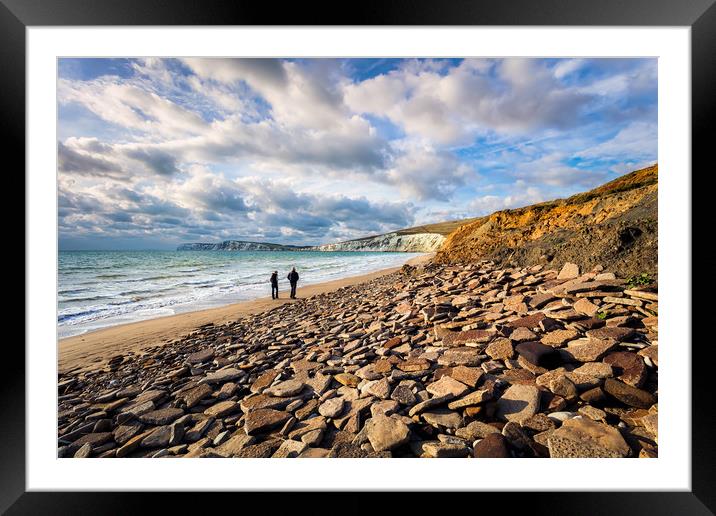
(434, 361)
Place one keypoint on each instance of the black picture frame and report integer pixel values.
(700, 15)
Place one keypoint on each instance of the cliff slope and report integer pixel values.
(614, 225)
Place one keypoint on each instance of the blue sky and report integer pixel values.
(158, 152)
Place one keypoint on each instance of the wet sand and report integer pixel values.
(93, 349)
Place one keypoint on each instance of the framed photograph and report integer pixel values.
(434, 234)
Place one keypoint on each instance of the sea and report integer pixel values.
(97, 289)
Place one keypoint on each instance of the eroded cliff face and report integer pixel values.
(390, 242)
(614, 225)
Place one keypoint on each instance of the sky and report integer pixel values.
(155, 152)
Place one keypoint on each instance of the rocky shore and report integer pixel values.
(432, 361)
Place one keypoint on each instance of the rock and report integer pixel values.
(162, 416)
(492, 446)
(586, 307)
(447, 386)
(287, 388)
(569, 271)
(537, 354)
(518, 403)
(124, 433)
(558, 338)
(522, 334)
(500, 349)
(378, 388)
(158, 438)
(443, 450)
(403, 395)
(331, 407)
(384, 407)
(347, 379)
(586, 438)
(610, 333)
(476, 430)
(83, 452)
(263, 420)
(563, 386)
(442, 418)
(463, 338)
(386, 433)
(201, 356)
(589, 350)
(289, 449)
(221, 409)
(263, 381)
(222, 375)
(474, 398)
(470, 376)
(628, 395)
(651, 353)
(628, 367)
(193, 396)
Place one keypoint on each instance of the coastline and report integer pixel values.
(93, 349)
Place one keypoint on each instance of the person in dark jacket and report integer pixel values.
(274, 285)
(293, 279)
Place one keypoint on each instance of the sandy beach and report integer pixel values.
(93, 349)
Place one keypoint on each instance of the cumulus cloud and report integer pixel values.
(313, 150)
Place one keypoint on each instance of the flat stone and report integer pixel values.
(378, 388)
(384, 407)
(652, 353)
(221, 376)
(463, 338)
(221, 409)
(158, 438)
(628, 367)
(440, 450)
(558, 338)
(460, 356)
(522, 334)
(124, 433)
(331, 407)
(586, 438)
(447, 386)
(500, 349)
(235, 444)
(569, 271)
(586, 307)
(442, 418)
(200, 356)
(529, 321)
(393, 342)
(193, 396)
(347, 379)
(94, 439)
(492, 446)
(259, 401)
(564, 387)
(628, 394)
(386, 433)
(162, 416)
(596, 369)
(84, 451)
(263, 420)
(611, 332)
(263, 381)
(470, 376)
(289, 449)
(476, 430)
(518, 403)
(537, 353)
(414, 365)
(287, 388)
(403, 395)
(589, 350)
(474, 398)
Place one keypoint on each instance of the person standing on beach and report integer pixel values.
(293, 279)
(274, 285)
